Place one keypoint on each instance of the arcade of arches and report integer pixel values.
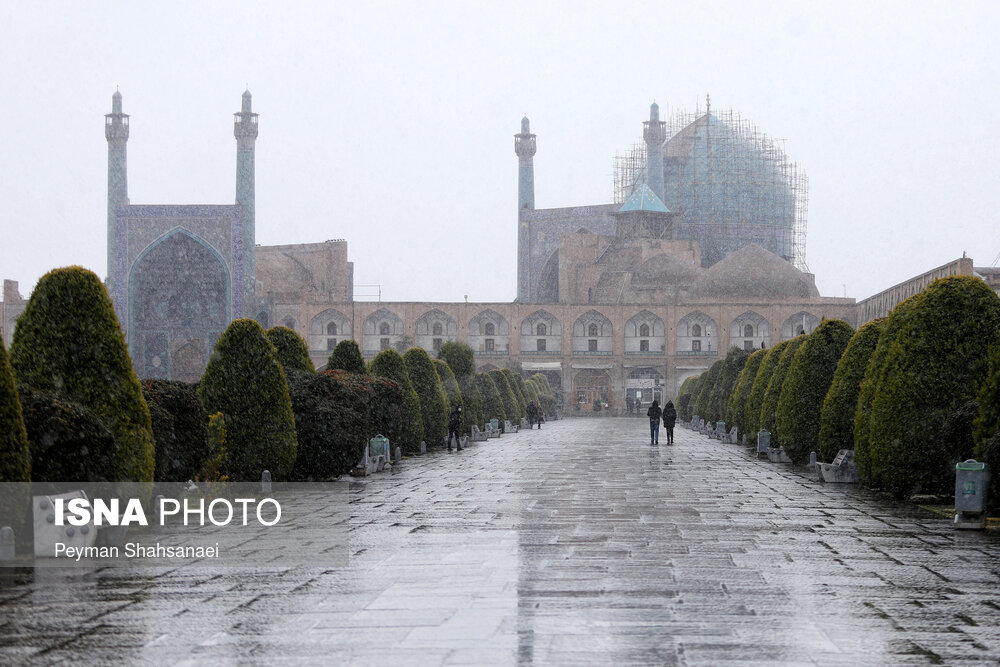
(589, 352)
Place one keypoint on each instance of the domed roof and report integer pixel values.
(753, 271)
(666, 269)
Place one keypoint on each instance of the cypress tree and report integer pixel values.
(493, 403)
(769, 408)
(472, 402)
(755, 399)
(450, 384)
(734, 362)
(68, 340)
(921, 417)
(510, 408)
(800, 404)
(836, 429)
(434, 406)
(546, 397)
(703, 402)
(293, 353)
(15, 458)
(735, 410)
(898, 321)
(515, 388)
(389, 364)
(68, 442)
(987, 427)
(347, 356)
(459, 357)
(245, 382)
(180, 429)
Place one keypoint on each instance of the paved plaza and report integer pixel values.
(577, 544)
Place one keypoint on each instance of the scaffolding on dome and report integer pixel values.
(729, 183)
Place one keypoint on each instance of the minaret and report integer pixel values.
(116, 132)
(654, 132)
(245, 130)
(524, 147)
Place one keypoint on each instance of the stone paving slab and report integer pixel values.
(576, 544)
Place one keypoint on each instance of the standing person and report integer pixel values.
(654, 413)
(628, 404)
(669, 419)
(455, 426)
(532, 411)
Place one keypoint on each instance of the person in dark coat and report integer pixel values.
(455, 426)
(654, 413)
(532, 411)
(669, 419)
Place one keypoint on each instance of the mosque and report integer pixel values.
(702, 250)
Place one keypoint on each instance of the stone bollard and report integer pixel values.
(423, 447)
(399, 454)
(464, 441)
(812, 460)
(265, 482)
(7, 543)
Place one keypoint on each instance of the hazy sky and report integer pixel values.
(390, 124)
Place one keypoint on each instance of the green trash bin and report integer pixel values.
(972, 480)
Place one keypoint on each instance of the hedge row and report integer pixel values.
(914, 394)
(72, 408)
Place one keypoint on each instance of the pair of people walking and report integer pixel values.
(669, 416)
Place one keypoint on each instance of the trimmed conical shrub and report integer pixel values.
(922, 415)
(493, 403)
(836, 427)
(510, 408)
(800, 404)
(755, 399)
(180, 429)
(450, 384)
(68, 341)
(68, 442)
(245, 382)
(898, 321)
(459, 358)
(735, 410)
(734, 362)
(293, 353)
(331, 422)
(347, 357)
(515, 389)
(703, 402)
(389, 364)
(685, 396)
(472, 403)
(769, 408)
(434, 406)
(545, 393)
(987, 427)
(15, 458)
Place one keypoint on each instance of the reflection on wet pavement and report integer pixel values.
(576, 544)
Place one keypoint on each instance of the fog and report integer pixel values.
(390, 125)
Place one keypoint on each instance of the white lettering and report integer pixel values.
(163, 508)
(277, 511)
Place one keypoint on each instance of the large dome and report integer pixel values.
(754, 272)
(666, 269)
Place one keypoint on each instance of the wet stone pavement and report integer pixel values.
(577, 544)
